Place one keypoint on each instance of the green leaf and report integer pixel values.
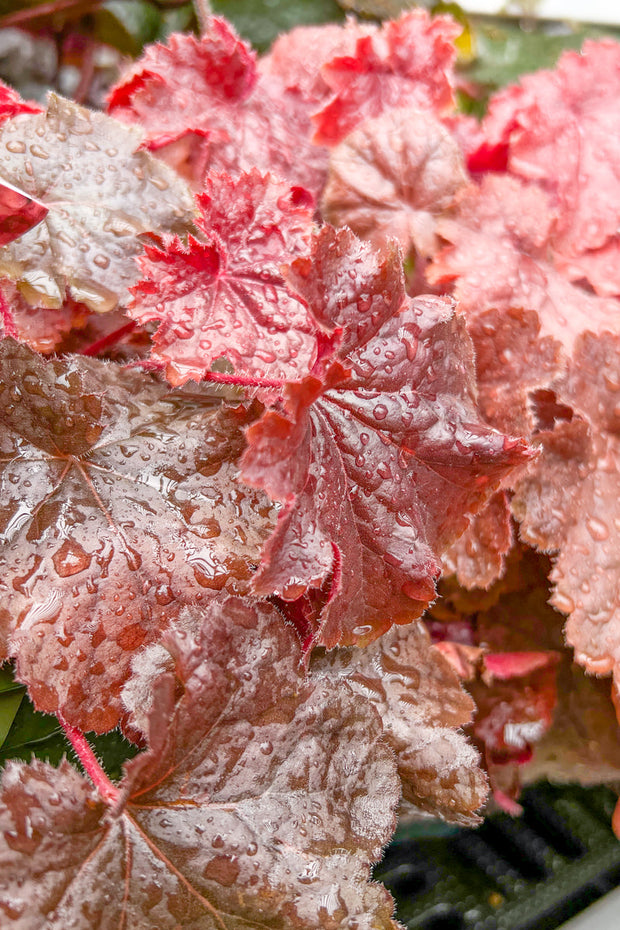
(9, 705)
(127, 25)
(260, 21)
(505, 51)
(25, 732)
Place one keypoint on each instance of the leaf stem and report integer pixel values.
(203, 12)
(83, 750)
(110, 339)
(241, 380)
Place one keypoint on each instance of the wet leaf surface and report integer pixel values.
(477, 558)
(233, 119)
(100, 195)
(560, 129)
(120, 502)
(569, 502)
(262, 801)
(362, 459)
(224, 296)
(422, 705)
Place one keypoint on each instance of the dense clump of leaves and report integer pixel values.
(223, 533)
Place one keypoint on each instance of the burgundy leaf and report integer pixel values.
(379, 464)
(262, 801)
(120, 504)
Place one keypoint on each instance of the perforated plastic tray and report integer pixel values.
(531, 873)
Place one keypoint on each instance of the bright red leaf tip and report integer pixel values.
(297, 57)
(216, 69)
(225, 296)
(18, 212)
(11, 104)
(379, 462)
(262, 801)
(561, 128)
(408, 62)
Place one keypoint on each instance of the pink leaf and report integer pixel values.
(224, 295)
(408, 62)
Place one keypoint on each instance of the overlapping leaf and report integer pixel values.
(561, 128)
(204, 107)
(11, 104)
(225, 295)
(213, 71)
(477, 558)
(422, 705)
(408, 62)
(499, 258)
(569, 503)
(262, 801)
(392, 177)
(118, 501)
(41, 328)
(297, 57)
(378, 464)
(100, 195)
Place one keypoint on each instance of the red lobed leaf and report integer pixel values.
(224, 295)
(297, 58)
(477, 558)
(362, 458)
(569, 502)
(216, 69)
(233, 119)
(408, 62)
(262, 800)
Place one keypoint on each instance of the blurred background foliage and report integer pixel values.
(79, 46)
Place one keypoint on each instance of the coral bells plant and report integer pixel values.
(309, 409)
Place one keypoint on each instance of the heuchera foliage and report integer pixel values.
(240, 445)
